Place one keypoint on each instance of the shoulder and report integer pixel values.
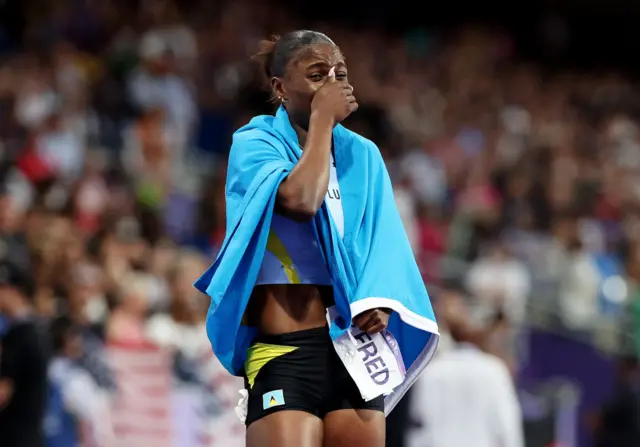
(482, 362)
(257, 140)
(258, 131)
(260, 127)
(492, 367)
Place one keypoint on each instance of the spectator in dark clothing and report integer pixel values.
(23, 363)
(618, 424)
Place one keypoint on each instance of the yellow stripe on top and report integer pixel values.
(277, 248)
(259, 355)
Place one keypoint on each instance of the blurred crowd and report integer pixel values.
(519, 186)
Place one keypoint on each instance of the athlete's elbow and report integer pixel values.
(300, 207)
(301, 211)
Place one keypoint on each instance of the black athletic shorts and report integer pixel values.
(299, 371)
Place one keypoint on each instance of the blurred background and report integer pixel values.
(511, 134)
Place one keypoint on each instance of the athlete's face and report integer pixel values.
(305, 74)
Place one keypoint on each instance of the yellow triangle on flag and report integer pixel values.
(272, 401)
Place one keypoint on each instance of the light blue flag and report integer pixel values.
(371, 267)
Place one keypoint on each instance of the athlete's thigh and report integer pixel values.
(348, 428)
(289, 428)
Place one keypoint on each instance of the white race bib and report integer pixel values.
(374, 362)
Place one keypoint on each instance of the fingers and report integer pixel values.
(363, 318)
(372, 321)
(371, 325)
(331, 77)
(376, 328)
(353, 104)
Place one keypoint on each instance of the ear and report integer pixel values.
(277, 87)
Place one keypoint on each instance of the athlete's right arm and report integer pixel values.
(301, 194)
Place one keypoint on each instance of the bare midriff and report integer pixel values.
(283, 308)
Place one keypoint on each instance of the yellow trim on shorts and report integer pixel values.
(275, 246)
(259, 355)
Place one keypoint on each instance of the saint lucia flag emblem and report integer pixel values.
(272, 399)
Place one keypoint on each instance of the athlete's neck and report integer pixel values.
(301, 131)
(302, 135)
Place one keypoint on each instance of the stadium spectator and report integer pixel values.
(75, 404)
(466, 387)
(23, 362)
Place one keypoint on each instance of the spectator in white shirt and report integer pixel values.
(574, 271)
(466, 397)
(500, 281)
